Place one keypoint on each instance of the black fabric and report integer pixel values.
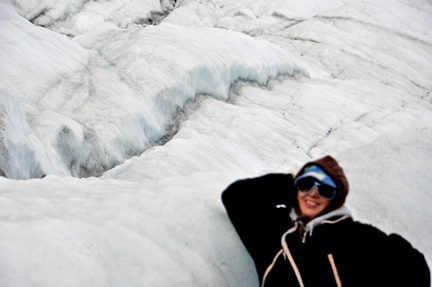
(364, 256)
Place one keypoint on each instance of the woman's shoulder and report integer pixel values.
(357, 228)
(365, 236)
(366, 233)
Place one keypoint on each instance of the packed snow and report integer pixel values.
(121, 123)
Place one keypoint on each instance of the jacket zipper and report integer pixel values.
(286, 253)
(304, 237)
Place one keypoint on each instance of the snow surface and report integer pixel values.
(121, 122)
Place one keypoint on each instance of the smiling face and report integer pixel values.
(311, 205)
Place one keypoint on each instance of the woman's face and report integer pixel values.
(311, 204)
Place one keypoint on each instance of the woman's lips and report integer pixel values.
(311, 204)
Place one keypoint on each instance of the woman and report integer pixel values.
(299, 233)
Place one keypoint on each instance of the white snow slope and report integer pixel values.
(121, 122)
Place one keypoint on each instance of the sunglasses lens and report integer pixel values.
(327, 192)
(305, 184)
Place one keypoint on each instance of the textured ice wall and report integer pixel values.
(74, 17)
(18, 145)
(112, 93)
(32, 60)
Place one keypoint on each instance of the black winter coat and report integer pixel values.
(339, 250)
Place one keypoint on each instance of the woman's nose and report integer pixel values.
(314, 192)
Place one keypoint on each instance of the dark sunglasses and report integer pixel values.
(305, 186)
